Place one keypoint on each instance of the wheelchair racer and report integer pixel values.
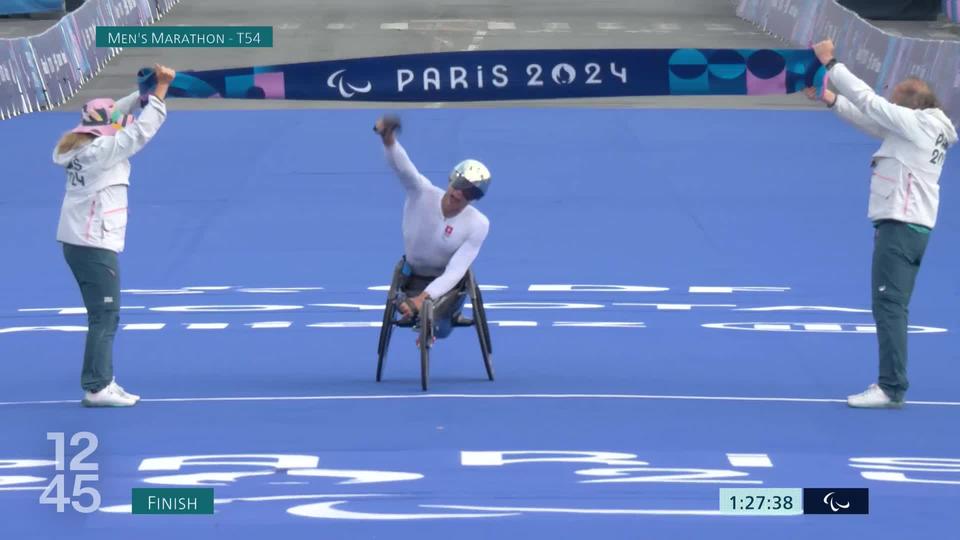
(442, 232)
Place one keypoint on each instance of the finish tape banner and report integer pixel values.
(511, 75)
(879, 58)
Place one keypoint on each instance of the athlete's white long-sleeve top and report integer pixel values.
(435, 245)
(907, 166)
(94, 210)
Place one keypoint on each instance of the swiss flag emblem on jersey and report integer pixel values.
(448, 231)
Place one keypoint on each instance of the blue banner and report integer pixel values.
(11, 7)
(512, 75)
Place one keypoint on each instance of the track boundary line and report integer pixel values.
(374, 397)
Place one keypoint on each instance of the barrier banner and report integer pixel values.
(10, 103)
(867, 51)
(28, 73)
(83, 23)
(831, 22)
(147, 10)
(788, 18)
(164, 6)
(752, 9)
(804, 29)
(60, 77)
(123, 12)
(948, 63)
(44, 71)
(923, 59)
(511, 75)
(783, 14)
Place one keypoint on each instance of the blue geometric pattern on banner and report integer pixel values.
(511, 75)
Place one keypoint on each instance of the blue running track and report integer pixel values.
(740, 245)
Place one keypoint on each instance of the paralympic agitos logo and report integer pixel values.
(836, 501)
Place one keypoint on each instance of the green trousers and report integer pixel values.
(98, 276)
(897, 252)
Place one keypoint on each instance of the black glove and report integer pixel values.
(391, 124)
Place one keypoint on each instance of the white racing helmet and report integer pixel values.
(472, 177)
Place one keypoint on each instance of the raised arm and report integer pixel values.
(845, 110)
(889, 117)
(406, 171)
(132, 139)
(130, 103)
(411, 179)
(849, 112)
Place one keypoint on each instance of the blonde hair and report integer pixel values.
(917, 94)
(71, 141)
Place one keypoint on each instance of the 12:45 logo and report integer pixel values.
(55, 491)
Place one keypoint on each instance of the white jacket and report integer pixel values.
(907, 167)
(94, 210)
(435, 245)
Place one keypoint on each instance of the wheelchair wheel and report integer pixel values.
(426, 338)
(386, 331)
(480, 321)
(482, 311)
(389, 312)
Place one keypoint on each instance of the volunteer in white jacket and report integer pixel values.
(904, 199)
(442, 231)
(93, 221)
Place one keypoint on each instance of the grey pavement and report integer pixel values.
(14, 26)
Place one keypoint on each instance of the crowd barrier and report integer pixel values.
(44, 71)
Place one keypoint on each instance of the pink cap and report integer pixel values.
(101, 117)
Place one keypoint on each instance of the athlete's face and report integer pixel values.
(454, 201)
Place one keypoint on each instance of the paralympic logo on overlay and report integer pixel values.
(834, 506)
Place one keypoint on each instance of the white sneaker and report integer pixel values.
(108, 397)
(124, 392)
(873, 398)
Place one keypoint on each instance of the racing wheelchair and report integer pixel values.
(431, 316)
